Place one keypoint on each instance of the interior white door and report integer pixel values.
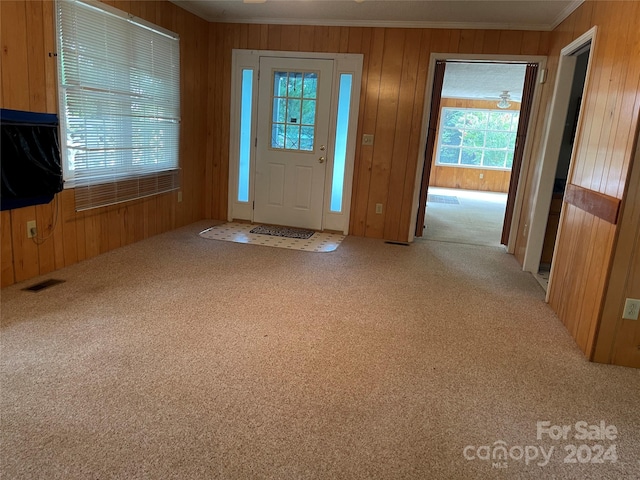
(294, 100)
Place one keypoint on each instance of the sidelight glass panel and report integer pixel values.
(342, 134)
(246, 100)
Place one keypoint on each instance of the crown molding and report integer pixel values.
(386, 24)
(562, 16)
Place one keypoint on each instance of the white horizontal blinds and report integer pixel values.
(120, 96)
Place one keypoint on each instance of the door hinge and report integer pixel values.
(253, 206)
(255, 142)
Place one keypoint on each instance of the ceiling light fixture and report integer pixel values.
(504, 99)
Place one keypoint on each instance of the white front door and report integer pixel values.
(294, 100)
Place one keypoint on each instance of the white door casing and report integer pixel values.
(341, 143)
(292, 137)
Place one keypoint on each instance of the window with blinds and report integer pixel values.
(119, 88)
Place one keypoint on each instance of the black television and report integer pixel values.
(30, 162)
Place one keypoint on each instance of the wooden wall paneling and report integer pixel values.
(582, 19)
(307, 38)
(530, 43)
(44, 239)
(467, 40)
(321, 38)
(187, 95)
(478, 42)
(110, 229)
(150, 217)
(6, 248)
(616, 71)
(399, 157)
(224, 119)
(215, 118)
(275, 37)
(359, 42)
(71, 224)
(391, 70)
(621, 142)
(25, 251)
(253, 38)
(290, 37)
(209, 176)
(35, 56)
(244, 31)
(588, 136)
(602, 237)
(15, 71)
(138, 220)
(414, 139)
(491, 42)
(440, 41)
(50, 62)
(508, 40)
(370, 115)
(344, 40)
(454, 41)
(203, 113)
(618, 339)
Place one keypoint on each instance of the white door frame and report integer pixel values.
(552, 140)
(343, 64)
(542, 62)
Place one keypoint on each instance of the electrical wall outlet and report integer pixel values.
(378, 208)
(631, 309)
(367, 139)
(179, 196)
(31, 229)
(481, 176)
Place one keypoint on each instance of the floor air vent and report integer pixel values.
(42, 285)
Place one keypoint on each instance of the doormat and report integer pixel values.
(321, 242)
(283, 232)
(443, 199)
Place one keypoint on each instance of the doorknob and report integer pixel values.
(321, 160)
(322, 148)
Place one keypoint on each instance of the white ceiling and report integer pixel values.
(483, 80)
(501, 14)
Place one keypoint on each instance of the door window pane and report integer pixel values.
(293, 119)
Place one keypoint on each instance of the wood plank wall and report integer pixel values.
(391, 104)
(464, 177)
(618, 339)
(604, 145)
(29, 83)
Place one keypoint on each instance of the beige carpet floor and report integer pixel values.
(476, 219)
(183, 358)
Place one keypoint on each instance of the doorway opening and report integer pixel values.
(562, 127)
(480, 112)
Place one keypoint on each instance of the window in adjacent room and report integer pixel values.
(477, 138)
(119, 88)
